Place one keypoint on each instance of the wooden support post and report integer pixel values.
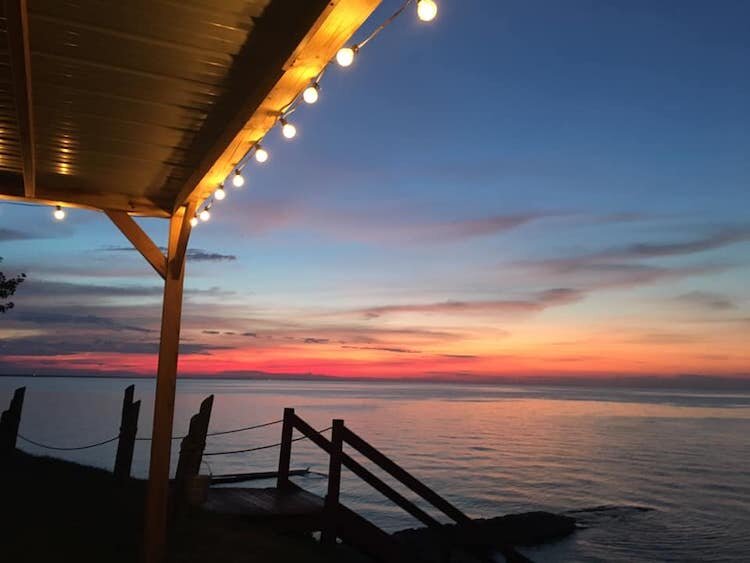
(285, 452)
(128, 431)
(9, 422)
(155, 533)
(328, 537)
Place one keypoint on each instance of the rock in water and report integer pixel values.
(495, 534)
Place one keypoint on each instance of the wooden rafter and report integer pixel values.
(256, 115)
(13, 190)
(20, 65)
(140, 240)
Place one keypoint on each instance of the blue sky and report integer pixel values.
(505, 150)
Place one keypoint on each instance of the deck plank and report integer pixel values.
(268, 502)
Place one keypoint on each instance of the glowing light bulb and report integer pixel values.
(205, 215)
(287, 129)
(59, 213)
(310, 95)
(261, 154)
(238, 181)
(426, 10)
(345, 56)
(193, 221)
(220, 194)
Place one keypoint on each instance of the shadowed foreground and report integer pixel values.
(55, 510)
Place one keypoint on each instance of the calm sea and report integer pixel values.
(654, 475)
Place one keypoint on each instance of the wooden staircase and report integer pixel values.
(288, 506)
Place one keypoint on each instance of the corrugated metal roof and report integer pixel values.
(121, 89)
(128, 97)
(10, 150)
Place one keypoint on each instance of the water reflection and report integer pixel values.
(489, 449)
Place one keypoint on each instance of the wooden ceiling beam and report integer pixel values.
(281, 81)
(19, 53)
(12, 189)
(95, 202)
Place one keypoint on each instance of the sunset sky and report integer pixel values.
(519, 188)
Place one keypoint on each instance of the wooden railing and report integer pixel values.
(337, 458)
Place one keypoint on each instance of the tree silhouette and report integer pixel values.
(8, 288)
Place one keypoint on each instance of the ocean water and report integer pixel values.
(653, 475)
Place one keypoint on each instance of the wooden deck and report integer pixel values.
(263, 503)
(295, 509)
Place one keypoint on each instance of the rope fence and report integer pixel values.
(67, 449)
(219, 433)
(222, 432)
(266, 447)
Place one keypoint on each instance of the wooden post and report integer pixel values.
(191, 452)
(155, 533)
(128, 430)
(285, 452)
(9, 422)
(328, 537)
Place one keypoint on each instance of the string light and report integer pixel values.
(261, 154)
(426, 10)
(237, 180)
(345, 56)
(287, 129)
(59, 213)
(310, 95)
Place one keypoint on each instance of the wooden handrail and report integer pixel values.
(389, 492)
(334, 510)
(295, 422)
(404, 477)
(328, 536)
(285, 452)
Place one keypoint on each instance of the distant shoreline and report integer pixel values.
(684, 382)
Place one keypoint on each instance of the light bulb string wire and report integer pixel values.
(292, 106)
(382, 26)
(296, 101)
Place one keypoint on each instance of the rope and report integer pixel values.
(48, 447)
(266, 447)
(223, 432)
(246, 428)
(220, 433)
(383, 25)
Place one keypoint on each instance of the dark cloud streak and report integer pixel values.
(534, 303)
(194, 254)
